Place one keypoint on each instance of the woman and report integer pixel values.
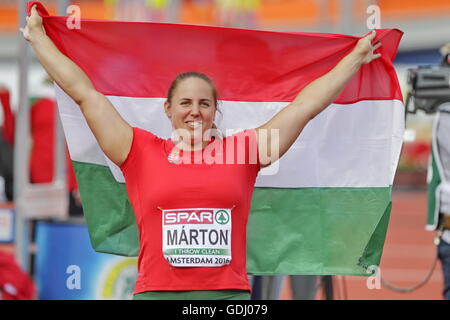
(191, 216)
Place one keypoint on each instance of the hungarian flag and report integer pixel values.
(323, 208)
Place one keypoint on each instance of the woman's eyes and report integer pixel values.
(185, 103)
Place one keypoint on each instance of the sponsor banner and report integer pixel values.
(67, 268)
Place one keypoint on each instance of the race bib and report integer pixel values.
(198, 237)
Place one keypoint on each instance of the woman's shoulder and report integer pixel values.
(141, 134)
(144, 143)
(240, 133)
(245, 139)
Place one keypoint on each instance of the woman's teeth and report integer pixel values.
(194, 124)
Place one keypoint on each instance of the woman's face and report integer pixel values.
(192, 108)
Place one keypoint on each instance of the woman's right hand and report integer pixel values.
(114, 135)
(34, 25)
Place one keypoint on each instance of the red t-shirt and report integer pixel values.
(191, 215)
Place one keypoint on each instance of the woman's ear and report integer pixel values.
(167, 109)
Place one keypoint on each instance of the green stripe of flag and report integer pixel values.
(317, 230)
(290, 231)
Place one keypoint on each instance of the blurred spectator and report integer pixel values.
(266, 287)
(42, 124)
(6, 144)
(304, 287)
(14, 283)
(439, 181)
(443, 143)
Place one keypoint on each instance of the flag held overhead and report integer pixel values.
(327, 208)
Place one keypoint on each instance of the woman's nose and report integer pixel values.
(195, 110)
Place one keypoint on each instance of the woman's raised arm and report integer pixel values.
(113, 134)
(314, 98)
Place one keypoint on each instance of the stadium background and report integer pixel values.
(409, 250)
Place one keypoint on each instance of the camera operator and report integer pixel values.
(439, 176)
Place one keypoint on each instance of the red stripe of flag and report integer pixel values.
(141, 59)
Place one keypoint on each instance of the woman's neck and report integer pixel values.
(193, 146)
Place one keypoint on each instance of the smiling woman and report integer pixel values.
(191, 106)
(174, 256)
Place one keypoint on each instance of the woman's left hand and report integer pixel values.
(364, 49)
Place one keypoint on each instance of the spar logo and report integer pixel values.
(189, 216)
(222, 217)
